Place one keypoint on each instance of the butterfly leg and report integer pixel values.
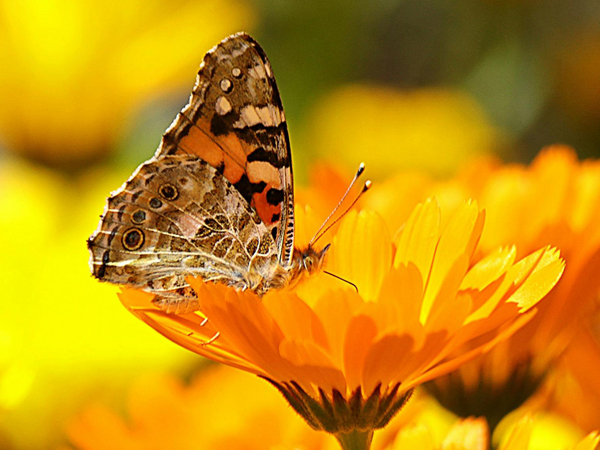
(211, 340)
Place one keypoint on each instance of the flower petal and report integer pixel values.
(362, 252)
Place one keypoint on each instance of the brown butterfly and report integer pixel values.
(217, 199)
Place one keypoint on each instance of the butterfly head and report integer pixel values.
(311, 260)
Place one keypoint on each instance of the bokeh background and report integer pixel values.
(88, 87)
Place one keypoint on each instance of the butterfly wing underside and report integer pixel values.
(216, 200)
(178, 217)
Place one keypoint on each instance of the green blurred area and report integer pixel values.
(87, 91)
(533, 67)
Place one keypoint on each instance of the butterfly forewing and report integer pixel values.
(235, 121)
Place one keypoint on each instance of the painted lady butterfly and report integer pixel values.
(216, 200)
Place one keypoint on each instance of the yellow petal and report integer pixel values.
(457, 240)
(416, 437)
(468, 434)
(418, 238)
(362, 252)
(520, 436)
(590, 442)
(548, 270)
(489, 268)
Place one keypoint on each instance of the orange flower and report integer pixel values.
(432, 129)
(163, 412)
(552, 202)
(573, 388)
(347, 361)
(63, 61)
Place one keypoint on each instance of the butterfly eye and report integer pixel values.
(133, 239)
(168, 192)
(308, 263)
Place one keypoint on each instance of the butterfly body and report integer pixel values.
(216, 200)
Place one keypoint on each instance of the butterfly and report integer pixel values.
(217, 198)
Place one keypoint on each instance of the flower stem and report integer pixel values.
(355, 440)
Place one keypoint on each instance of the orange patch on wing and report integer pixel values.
(234, 157)
(227, 150)
(265, 210)
(197, 142)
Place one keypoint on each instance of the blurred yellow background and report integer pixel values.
(88, 87)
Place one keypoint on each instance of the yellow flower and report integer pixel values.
(347, 361)
(430, 129)
(547, 433)
(552, 202)
(473, 434)
(74, 71)
(49, 357)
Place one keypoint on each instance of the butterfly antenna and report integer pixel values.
(342, 279)
(320, 232)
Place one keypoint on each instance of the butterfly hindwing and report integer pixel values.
(235, 121)
(177, 216)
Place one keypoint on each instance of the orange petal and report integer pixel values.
(359, 338)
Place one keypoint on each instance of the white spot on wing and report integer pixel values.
(248, 117)
(269, 116)
(259, 71)
(263, 171)
(239, 52)
(225, 85)
(222, 106)
(265, 116)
